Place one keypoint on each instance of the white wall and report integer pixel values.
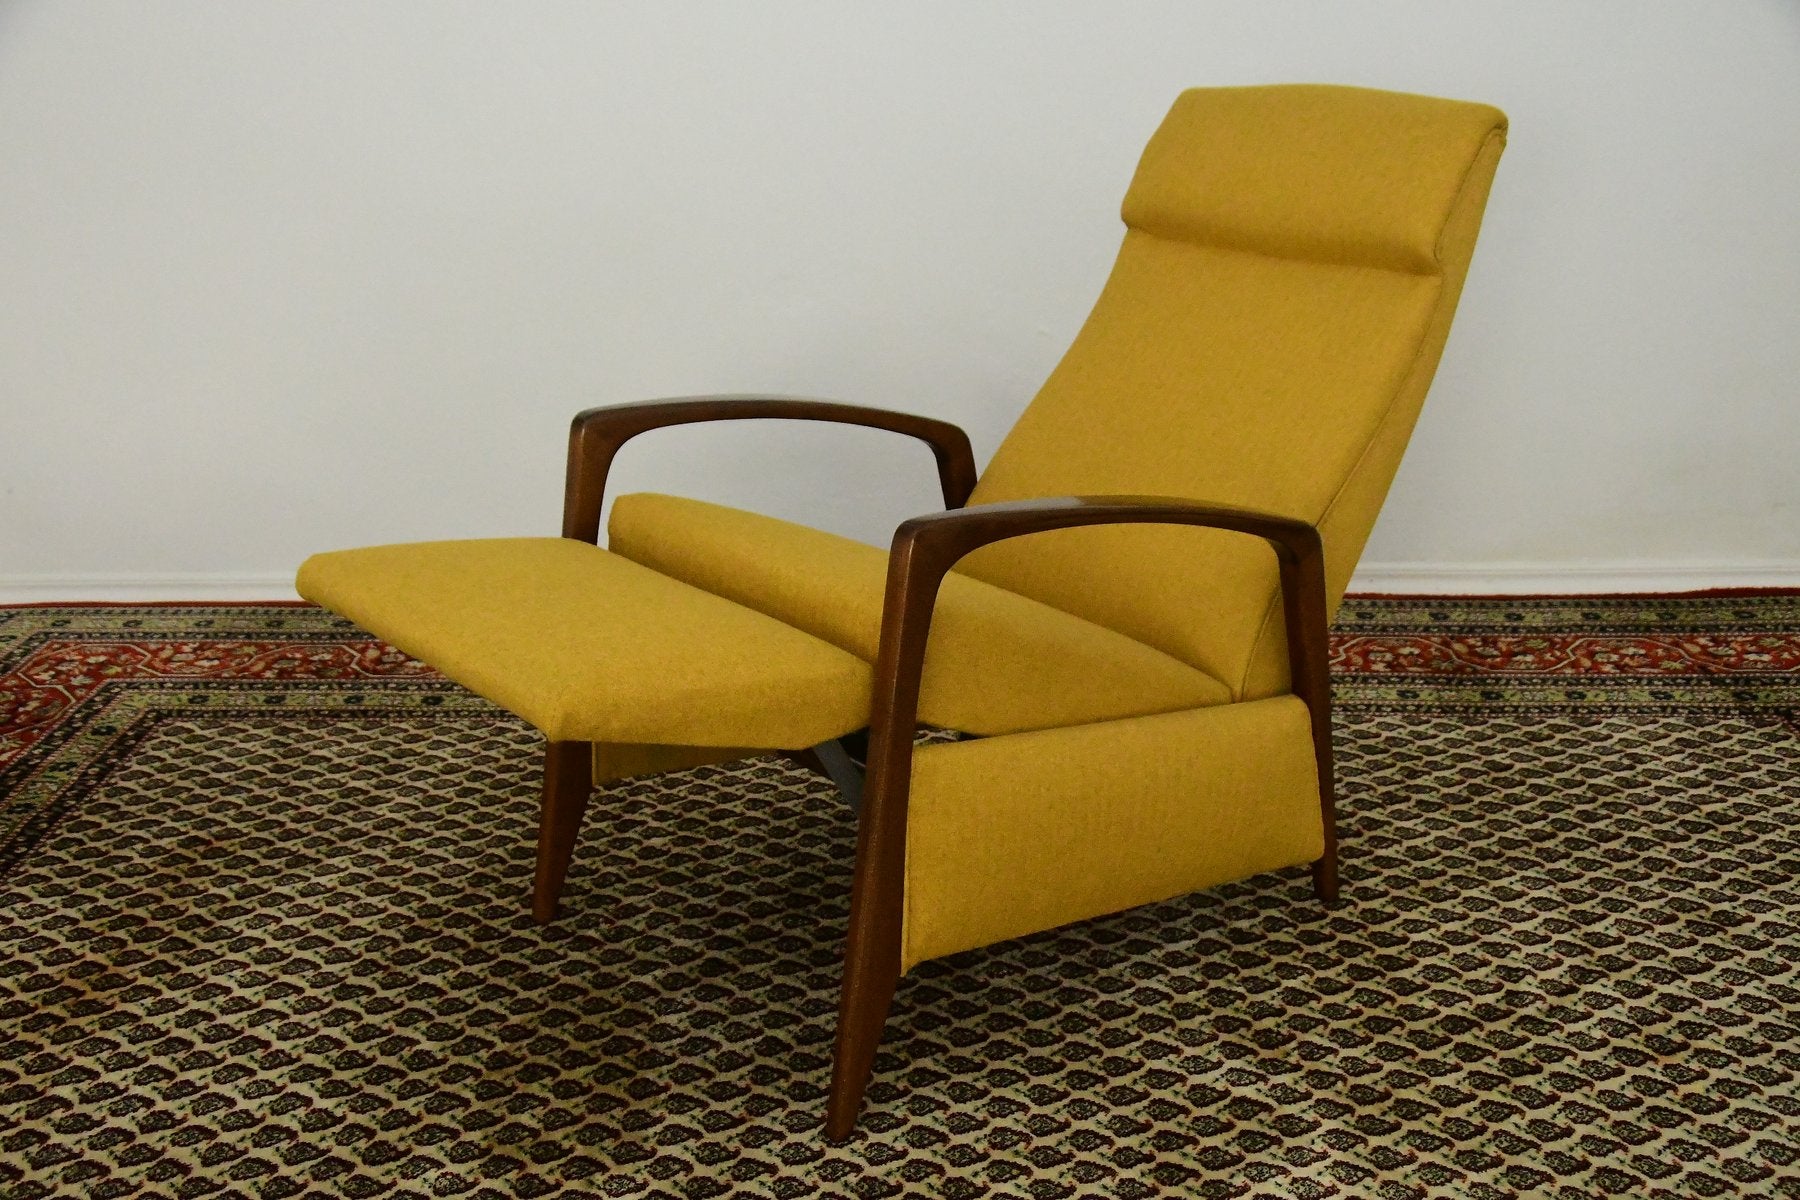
(284, 277)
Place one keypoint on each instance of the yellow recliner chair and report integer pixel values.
(1140, 684)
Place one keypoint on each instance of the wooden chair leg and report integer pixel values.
(871, 972)
(872, 950)
(1325, 878)
(1325, 870)
(568, 780)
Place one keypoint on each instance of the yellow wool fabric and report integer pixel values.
(588, 646)
(1011, 835)
(1310, 171)
(1266, 339)
(996, 662)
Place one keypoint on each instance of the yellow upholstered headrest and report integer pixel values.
(1311, 171)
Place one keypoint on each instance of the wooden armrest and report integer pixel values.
(924, 550)
(596, 435)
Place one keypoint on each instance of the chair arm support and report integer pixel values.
(924, 550)
(596, 435)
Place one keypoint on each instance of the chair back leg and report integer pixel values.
(1325, 876)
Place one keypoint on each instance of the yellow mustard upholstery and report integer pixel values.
(588, 646)
(997, 662)
(1292, 259)
(1310, 171)
(1010, 835)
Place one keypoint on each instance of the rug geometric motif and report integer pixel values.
(265, 932)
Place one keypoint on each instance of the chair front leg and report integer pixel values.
(871, 973)
(872, 952)
(568, 781)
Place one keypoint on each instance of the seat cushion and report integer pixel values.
(997, 662)
(588, 646)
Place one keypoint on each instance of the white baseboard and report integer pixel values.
(1423, 579)
(142, 589)
(1568, 579)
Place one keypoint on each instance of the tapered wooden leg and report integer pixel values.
(871, 972)
(872, 950)
(568, 780)
(1325, 879)
(1325, 870)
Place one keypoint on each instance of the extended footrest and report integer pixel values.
(591, 647)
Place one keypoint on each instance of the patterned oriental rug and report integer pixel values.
(264, 931)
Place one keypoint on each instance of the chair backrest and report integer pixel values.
(1292, 259)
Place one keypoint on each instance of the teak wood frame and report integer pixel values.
(924, 550)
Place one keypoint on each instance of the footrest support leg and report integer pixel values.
(844, 771)
(568, 780)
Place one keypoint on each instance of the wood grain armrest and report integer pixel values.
(596, 435)
(924, 550)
